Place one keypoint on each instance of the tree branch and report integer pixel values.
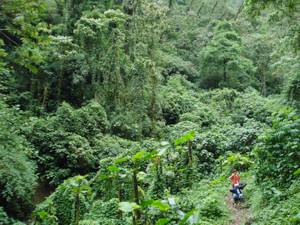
(8, 38)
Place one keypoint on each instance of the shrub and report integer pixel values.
(211, 208)
(282, 208)
(86, 121)
(67, 204)
(176, 99)
(17, 171)
(203, 115)
(244, 138)
(127, 124)
(63, 141)
(61, 154)
(109, 146)
(235, 161)
(277, 155)
(104, 213)
(251, 105)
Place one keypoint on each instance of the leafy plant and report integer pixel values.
(277, 155)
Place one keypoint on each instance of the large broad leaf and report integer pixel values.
(185, 138)
(172, 201)
(162, 151)
(157, 204)
(164, 143)
(113, 168)
(295, 219)
(297, 172)
(104, 176)
(121, 160)
(186, 217)
(162, 221)
(143, 155)
(128, 206)
(42, 214)
(141, 175)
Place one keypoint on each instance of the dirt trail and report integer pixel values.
(240, 215)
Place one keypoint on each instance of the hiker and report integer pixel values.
(235, 178)
(237, 187)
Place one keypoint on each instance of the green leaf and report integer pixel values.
(113, 168)
(162, 221)
(157, 204)
(162, 151)
(143, 155)
(42, 214)
(296, 218)
(128, 206)
(297, 172)
(185, 138)
(141, 176)
(186, 217)
(121, 160)
(32, 68)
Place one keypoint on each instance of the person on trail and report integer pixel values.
(235, 178)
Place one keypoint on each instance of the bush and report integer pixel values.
(17, 171)
(128, 124)
(109, 146)
(61, 154)
(104, 213)
(235, 161)
(251, 105)
(282, 208)
(86, 121)
(4, 219)
(176, 99)
(277, 155)
(221, 99)
(63, 141)
(203, 115)
(174, 65)
(244, 138)
(211, 208)
(67, 204)
(207, 196)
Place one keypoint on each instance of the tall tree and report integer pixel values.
(222, 61)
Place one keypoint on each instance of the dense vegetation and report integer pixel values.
(136, 112)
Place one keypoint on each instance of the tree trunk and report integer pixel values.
(137, 213)
(239, 11)
(77, 209)
(224, 71)
(263, 85)
(171, 3)
(190, 153)
(214, 7)
(59, 85)
(135, 188)
(153, 100)
(120, 193)
(45, 95)
(200, 9)
(190, 6)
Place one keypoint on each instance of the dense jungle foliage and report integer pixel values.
(136, 111)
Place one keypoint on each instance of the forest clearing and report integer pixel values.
(149, 112)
